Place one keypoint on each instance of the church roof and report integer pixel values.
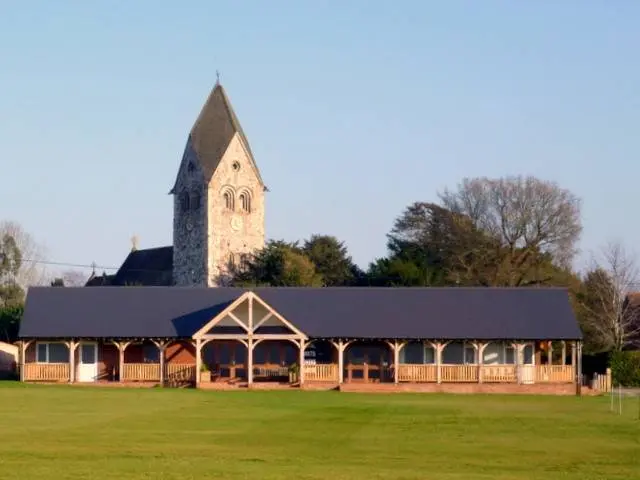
(479, 313)
(213, 131)
(147, 267)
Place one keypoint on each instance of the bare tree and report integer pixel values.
(528, 216)
(611, 312)
(74, 278)
(32, 270)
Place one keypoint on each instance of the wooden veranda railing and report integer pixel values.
(180, 373)
(320, 372)
(554, 374)
(49, 372)
(140, 372)
(417, 373)
(505, 373)
(499, 374)
(267, 370)
(459, 373)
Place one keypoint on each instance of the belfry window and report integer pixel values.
(195, 200)
(245, 202)
(184, 201)
(228, 200)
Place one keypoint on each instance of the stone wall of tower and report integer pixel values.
(249, 232)
(190, 227)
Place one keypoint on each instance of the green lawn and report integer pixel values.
(111, 433)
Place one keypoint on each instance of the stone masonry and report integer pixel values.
(218, 173)
(233, 232)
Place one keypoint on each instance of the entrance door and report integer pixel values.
(88, 364)
(529, 367)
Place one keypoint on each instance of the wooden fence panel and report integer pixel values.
(499, 374)
(459, 373)
(418, 373)
(50, 372)
(327, 372)
(141, 372)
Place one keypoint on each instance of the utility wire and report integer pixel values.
(95, 267)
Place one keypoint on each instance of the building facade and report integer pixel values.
(509, 340)
(218, 208)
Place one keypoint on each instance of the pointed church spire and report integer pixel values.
(213, 131)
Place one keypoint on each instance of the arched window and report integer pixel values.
(184, 201)
(195, 200)
(228, 200)
(245, 202)
(232, 261)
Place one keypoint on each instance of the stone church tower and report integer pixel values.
(218, 206)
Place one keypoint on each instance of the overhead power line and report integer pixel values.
(96, 267)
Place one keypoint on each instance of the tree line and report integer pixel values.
(515, 231)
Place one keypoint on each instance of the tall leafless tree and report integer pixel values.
(32, 271)
(526, 215)
(612, 312)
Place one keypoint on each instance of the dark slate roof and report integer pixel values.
(127, 312)
(148, 267)
(441, 313)
(213, 131)
(99, 280)
(349, 312)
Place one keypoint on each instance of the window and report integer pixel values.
(469, 353)
(191, 167)
(195, 201)
(150, 353)
(459, 353)
(509, 354)
(235, 166)
(412, 353)
(232, 261)
(184, 201)
(245, 202)
(245, 261)
(54, 352)
(228, 200)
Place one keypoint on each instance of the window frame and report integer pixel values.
(47, 355)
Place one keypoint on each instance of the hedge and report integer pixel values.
(625, 368)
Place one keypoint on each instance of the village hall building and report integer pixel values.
(168, 316)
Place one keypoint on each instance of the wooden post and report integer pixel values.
(121, 346)
(161, 344)
(550, 354)
(579, 369)
(480, 349)
(340, 362)
(198, 361)
(303, 346)
(23, 358)
(519, 359)
(439, 349)
(564, 353)
(72, 360)
(250, 361)
(396, 360)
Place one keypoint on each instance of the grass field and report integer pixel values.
(110, 433)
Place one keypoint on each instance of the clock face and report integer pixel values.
(236, 223)
(189, 226)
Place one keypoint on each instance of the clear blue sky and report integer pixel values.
(353, 109)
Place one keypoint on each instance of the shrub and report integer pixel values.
(625, 368)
